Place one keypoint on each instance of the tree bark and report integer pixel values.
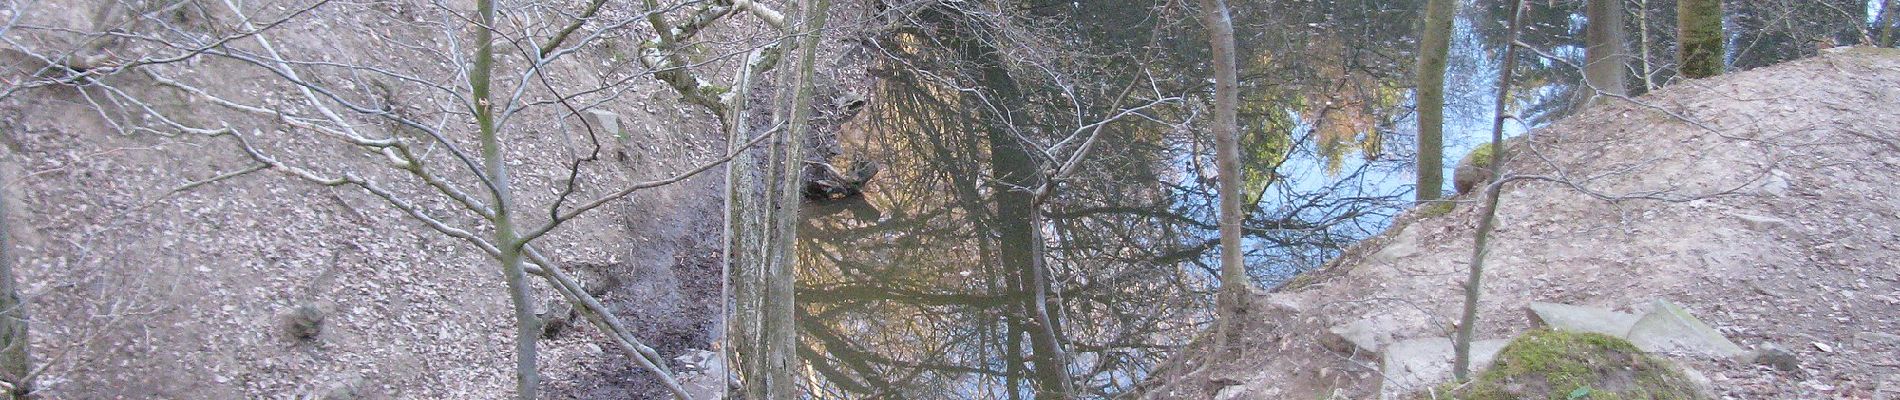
(1643, 44)
(1606, 56)
(775, 361)
(1234, 282)
(527, 325)
(1474, 282)
(1434, 47)
(15, 359)
(744, 231)
(1700, 47)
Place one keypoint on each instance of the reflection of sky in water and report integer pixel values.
(1471, 86)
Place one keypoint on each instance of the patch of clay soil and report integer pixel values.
(1763, 201)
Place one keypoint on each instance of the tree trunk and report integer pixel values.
(15, 360)
(745, 229)
(1018, 215)
(1885, 23)
(1643, 43)
(1474, 282)
(1434, 47)
(775, 361)
(1018, 226)
(527, 325)
(1233, 296)
(1700, 47)
(1606, 58)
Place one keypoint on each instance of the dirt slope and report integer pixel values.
(1762, 201)
(139, 293)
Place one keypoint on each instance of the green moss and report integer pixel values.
(1569, 366)
(713, 91)
(1434, 209)
(1480, 156)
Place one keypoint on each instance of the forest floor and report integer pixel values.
(140, 291)
(1762, 201)
(137, 289)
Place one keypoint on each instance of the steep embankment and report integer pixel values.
(1761, 201)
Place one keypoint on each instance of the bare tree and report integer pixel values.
(1434, 46)
(437, 123)
(770, 368)
(1041, 119)
(1234, 281)
(1461, 346)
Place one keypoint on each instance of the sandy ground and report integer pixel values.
(1762, 201)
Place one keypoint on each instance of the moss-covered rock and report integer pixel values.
(1434, 209)
(1474, 170)
(1569, 366)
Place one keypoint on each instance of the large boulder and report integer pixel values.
(1410, 366)
(1474, 170)
(1668, 328)
(1546, 364)
(1565, 317)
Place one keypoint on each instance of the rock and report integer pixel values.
(700, 360)
(704, 376)
(1774, 356)
(305, 321)
(1775, 184)
(1368, 335)
(1565, 317)
(558, 317)
(1545, 364)
(349, 388)
(1701, 381)
(1474, 170)
(703, 386)
(1287, 302)
(605, 122)
(1668, 328)
(1761, 223)
(1231, 393)
(1404, 244)
(1415, 364)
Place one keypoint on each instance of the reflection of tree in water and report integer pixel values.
(917, 292)
(918, 299)
(925, 287)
